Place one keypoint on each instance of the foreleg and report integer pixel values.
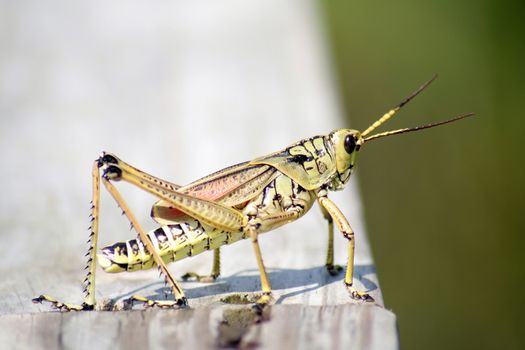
(332, 269)
(348, 233)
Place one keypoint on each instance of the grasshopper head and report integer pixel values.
(346, 144)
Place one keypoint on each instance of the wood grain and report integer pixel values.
(286, 326)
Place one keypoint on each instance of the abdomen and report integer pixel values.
(172, 242)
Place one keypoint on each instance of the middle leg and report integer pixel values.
(265, 281)
(290, 215)
(215, 270)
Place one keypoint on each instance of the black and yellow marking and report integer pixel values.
(238, 202)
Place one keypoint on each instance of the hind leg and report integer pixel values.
(210, 213)
(89, 282)
(180, 299)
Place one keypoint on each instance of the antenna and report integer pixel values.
(393, 111)
(417, 128)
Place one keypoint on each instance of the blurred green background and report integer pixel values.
(444, 207)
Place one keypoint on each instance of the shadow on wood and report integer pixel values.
(286, 283)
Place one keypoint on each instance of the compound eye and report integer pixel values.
(350, 144)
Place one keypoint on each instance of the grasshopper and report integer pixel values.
(238, 202)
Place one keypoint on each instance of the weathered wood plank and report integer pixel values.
(179, 89)
(286, 326)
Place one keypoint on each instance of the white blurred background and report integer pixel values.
(176, 88)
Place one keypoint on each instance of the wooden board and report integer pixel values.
(285, 327)
(180, 90)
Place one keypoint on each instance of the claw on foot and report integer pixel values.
(262, 303)
(199, 278)
(163, 304)
(57, 305)
(357, 295)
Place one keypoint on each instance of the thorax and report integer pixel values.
(278, 197)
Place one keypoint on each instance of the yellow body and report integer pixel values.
(264, 189)
(241, 201)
